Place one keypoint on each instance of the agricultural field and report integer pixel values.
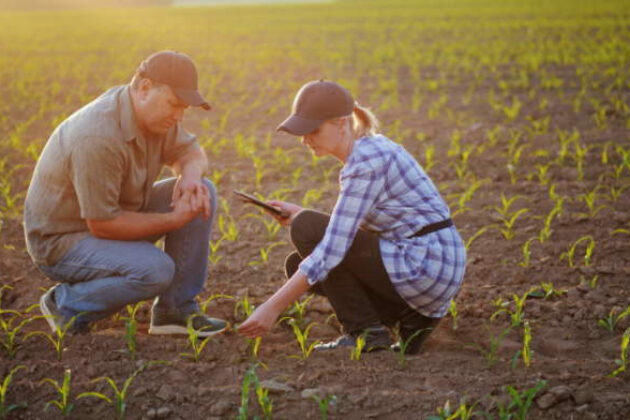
(518, 110)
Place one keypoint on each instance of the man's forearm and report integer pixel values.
(192, 165)
(130, 225)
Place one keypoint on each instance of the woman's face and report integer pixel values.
(326, 140)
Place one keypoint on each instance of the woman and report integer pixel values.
(388, 257)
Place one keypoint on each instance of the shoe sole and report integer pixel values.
(48, 316)
(179, 330)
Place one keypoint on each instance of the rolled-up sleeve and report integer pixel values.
(96, 171)
(177, 143)
(359, 191)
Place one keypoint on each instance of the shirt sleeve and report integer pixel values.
(177, 143)
(359, 192)
(96, 171)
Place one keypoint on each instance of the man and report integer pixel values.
(92, 210)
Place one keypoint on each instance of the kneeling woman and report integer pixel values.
(389, 255)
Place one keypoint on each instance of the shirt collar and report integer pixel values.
(128, 122)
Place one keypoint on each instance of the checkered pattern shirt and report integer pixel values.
(384, 190)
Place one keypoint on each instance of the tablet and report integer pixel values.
(248, 198)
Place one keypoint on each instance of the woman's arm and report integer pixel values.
(266, 314)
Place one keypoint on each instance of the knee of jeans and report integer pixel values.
(300, 229)
(160, 272)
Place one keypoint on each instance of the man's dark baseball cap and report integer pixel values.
(316, 102)
(176, 70)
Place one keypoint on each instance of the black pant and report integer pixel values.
(359, 288)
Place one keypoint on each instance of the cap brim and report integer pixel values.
(299, 126)
(192, 98)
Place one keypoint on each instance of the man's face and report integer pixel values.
(158, 108)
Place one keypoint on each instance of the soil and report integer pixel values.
(570, 351)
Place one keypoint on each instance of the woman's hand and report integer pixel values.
(290, 208)
(261, 321)
(266, 314)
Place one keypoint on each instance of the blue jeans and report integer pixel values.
(100, 276)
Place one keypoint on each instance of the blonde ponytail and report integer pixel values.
(364, 122)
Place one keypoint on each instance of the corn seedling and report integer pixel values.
(243, 307)
(56, 338)
(203, 305)
(264, 253)
(610, 322)
(131, 328)
(63, 391)
(10, 333)
(196, 345)
(463, 412)
(476, 235)
(623, 360)
(548, 290)
(213, 256)
(357, 350)
(262, 395)
(491, 354)
(545, 232)
(401, 352)
(5, 409)
(301, 337)
(119, 394)
(517, 315)
(325, 404)
(311, 197)
(508, 224)
(526, 251)
(298, 309)
(452, 310)
(271, 226)
(588, 253)
(589, 199)
(520, 402)
(229, 229)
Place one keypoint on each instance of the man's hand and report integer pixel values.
(290, 208)
(183, 210)
(198, 194)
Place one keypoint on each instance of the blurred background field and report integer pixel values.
(499, 100)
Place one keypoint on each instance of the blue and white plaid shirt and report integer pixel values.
(384, 190)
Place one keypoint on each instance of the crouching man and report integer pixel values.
(93, 211)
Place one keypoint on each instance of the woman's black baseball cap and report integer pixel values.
(316, 102)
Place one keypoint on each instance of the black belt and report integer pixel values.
(433, 227)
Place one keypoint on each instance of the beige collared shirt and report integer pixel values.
(95, 164)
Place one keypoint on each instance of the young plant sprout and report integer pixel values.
(6, 409)
(357, 350)
(301, 336)
(63, 391)
(57, 338)
(195, 344)
(570, 254)
(131, 327)
(623, 360)
(452, 310)
(120, 394)
(491, 354)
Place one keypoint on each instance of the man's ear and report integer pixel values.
(144, 87)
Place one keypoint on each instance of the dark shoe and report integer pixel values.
(177, 323)
(414, 334)
(376, 338)
(48, 307)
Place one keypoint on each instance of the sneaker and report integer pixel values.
(176, 323)
(48, 307)
(376, 338)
